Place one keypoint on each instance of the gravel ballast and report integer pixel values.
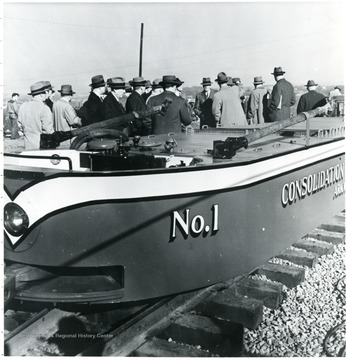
(310, 310)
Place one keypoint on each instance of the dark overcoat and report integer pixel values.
(135, 102)
(171, 120)
(95, 110)
(311, 100)
(112, 107)
(203, 108)
(282, 98)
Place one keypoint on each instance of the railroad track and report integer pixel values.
(202, 323)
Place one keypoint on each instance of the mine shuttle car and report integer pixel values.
(118, 222)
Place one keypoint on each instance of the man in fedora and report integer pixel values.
(148, 90)
(237, 82)
(257, 103)
(226, 106)
(312, 99)
(136, 102)
(176, 115)
(337, 91)
(112, 104)
(64, 115)
(35, 117)
(156, 89)
(93, 110)
(49, 94)
(203, 104)
(282, 97)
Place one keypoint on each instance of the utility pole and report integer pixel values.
(141, 44)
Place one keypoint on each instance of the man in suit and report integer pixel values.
(94, 106)
(156, 89)
(148, 90)
(237, 81)
(311, 100)
(136, 102)
(282, 97)
(35, 117)
(203, 104)
(176, 114)
(257, 103)
(12, 112)
(112, 105)
(49, 94)
(64, 115)
(226, 107)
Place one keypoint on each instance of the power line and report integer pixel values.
(67, 24)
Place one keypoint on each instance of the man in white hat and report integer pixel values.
(65, 117)
(35, 117)
(312, 99)
(257, 103)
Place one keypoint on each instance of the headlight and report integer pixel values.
(16, 220)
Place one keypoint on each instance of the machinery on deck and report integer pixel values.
(129, 219)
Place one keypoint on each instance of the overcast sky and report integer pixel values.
(68, 43)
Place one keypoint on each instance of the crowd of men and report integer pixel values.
(115, 97)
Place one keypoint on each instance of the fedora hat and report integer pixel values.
(156, 84)
(116, 83)
(128, 88)
(97, 81)
(137, 81)
(258, 80)
(48, 85)
(278, 71)
(37, 88)
(66, 90)
(148, 84)
(236, 81)
(206, 81)
(311, 83)
(222, 78)
(169, 79)
(179, 82)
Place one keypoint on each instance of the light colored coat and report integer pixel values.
(227, 108)
(256, 105)
(35, 118)
(65, 117)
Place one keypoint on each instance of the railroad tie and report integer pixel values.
(234, 308)
(327, 236)
(219, 337)
(336, 224)
(162, 348)
(299, 257)
(290, 276)
(269, 292)
(315, 246)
